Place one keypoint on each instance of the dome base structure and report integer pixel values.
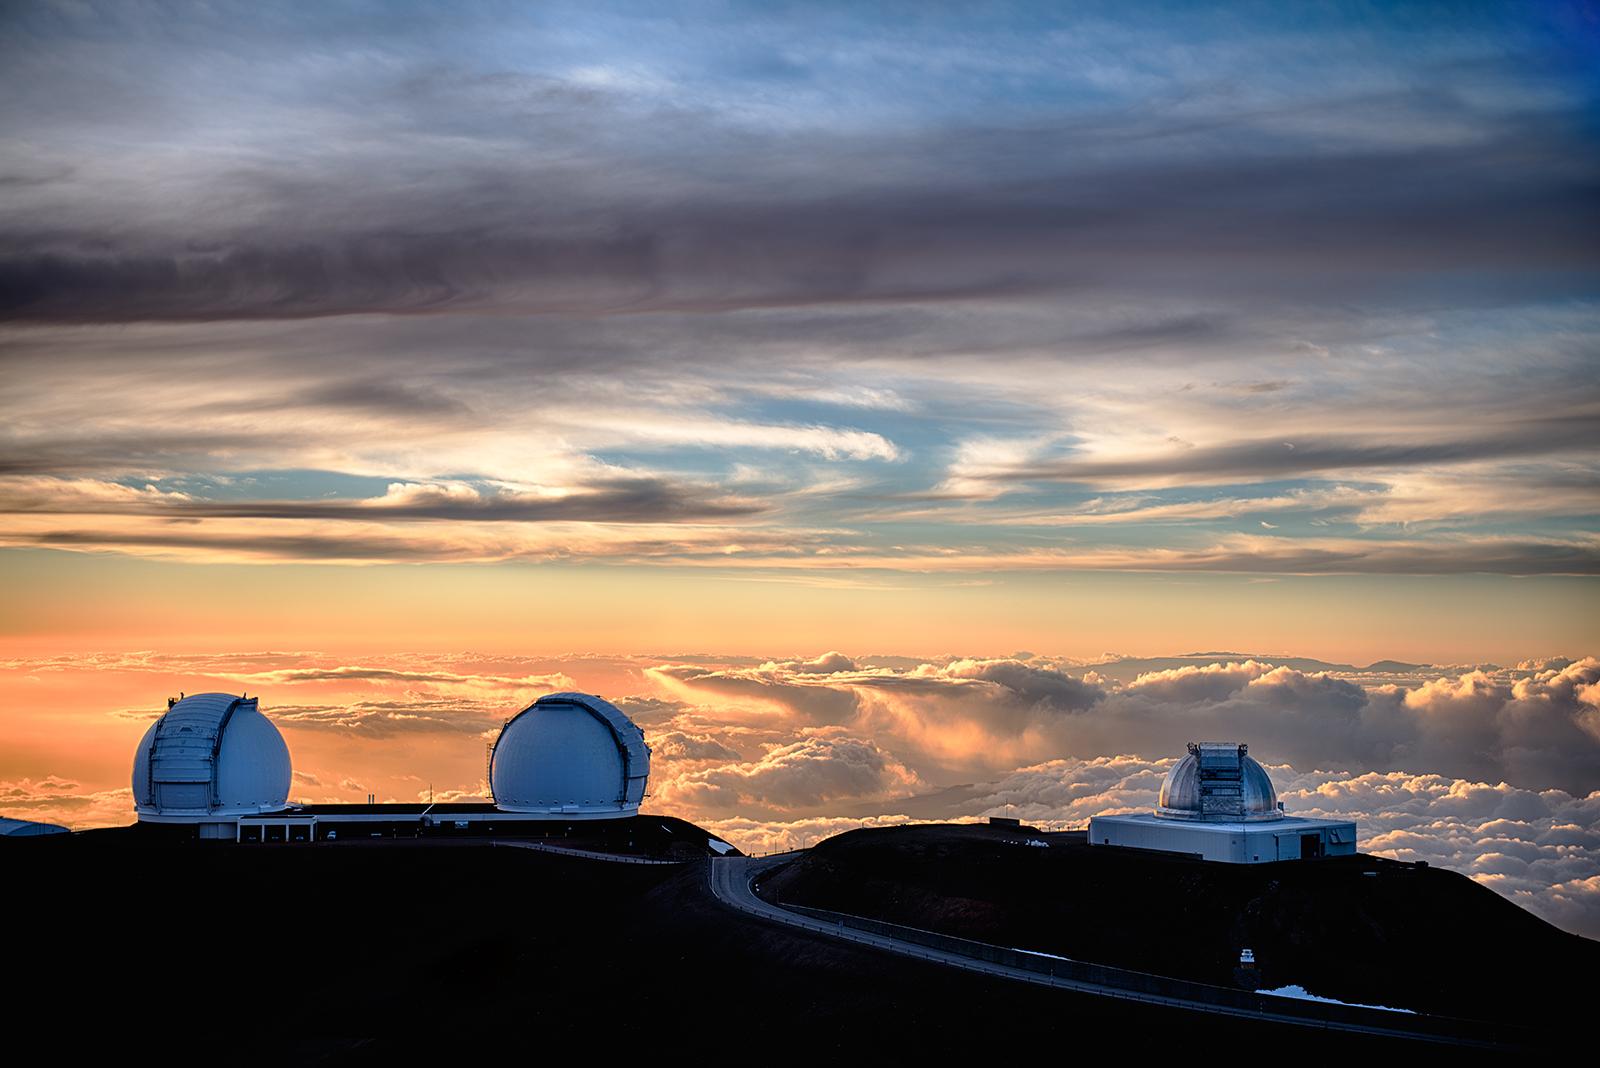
(1261, 842)
(1218, 804)
(572, 812)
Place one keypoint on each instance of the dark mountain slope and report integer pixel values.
(1360, 929)
(408, 951)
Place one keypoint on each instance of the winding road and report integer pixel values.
(585, 854)
(731, 880)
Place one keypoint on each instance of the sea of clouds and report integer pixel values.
(1491, 771)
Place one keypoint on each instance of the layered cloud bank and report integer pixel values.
(1031, 290)
(1492, 771)
(1537, 724)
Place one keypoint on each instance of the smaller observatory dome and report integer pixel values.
(571, 755)
(1218, 781)
(211, 755)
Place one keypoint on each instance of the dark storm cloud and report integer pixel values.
(624, 501)
(373, 543)
(132, 451)
(363, 538)
(1442, 556)
(540, 209)
(1065, 231)
(306, 547)
(252, 278)
(364, 394)
(748, 266)
(632, 500)
(1280, 458)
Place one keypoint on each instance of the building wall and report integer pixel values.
(1233, 843)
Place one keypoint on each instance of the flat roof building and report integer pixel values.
(1218, 803)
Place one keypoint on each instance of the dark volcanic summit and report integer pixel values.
(446, 950)
(1360, 929)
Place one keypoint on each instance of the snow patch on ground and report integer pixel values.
(1296, 991)
(719, 846)
(1036, 953)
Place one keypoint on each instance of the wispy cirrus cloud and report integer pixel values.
(654, 524)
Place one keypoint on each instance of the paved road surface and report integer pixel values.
(731, 878)
(586, 854)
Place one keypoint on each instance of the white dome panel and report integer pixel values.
(212, 755)
(570, 755)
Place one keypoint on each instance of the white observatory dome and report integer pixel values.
(212, 755)
(571, 755)
(1218, 782)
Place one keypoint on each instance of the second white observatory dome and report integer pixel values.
(571, 755)
(212, 757)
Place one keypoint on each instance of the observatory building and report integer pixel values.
(215, 767)
(209, 760)
(1217, 803)
(572, 756)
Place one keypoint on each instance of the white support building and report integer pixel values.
(1218, 803)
